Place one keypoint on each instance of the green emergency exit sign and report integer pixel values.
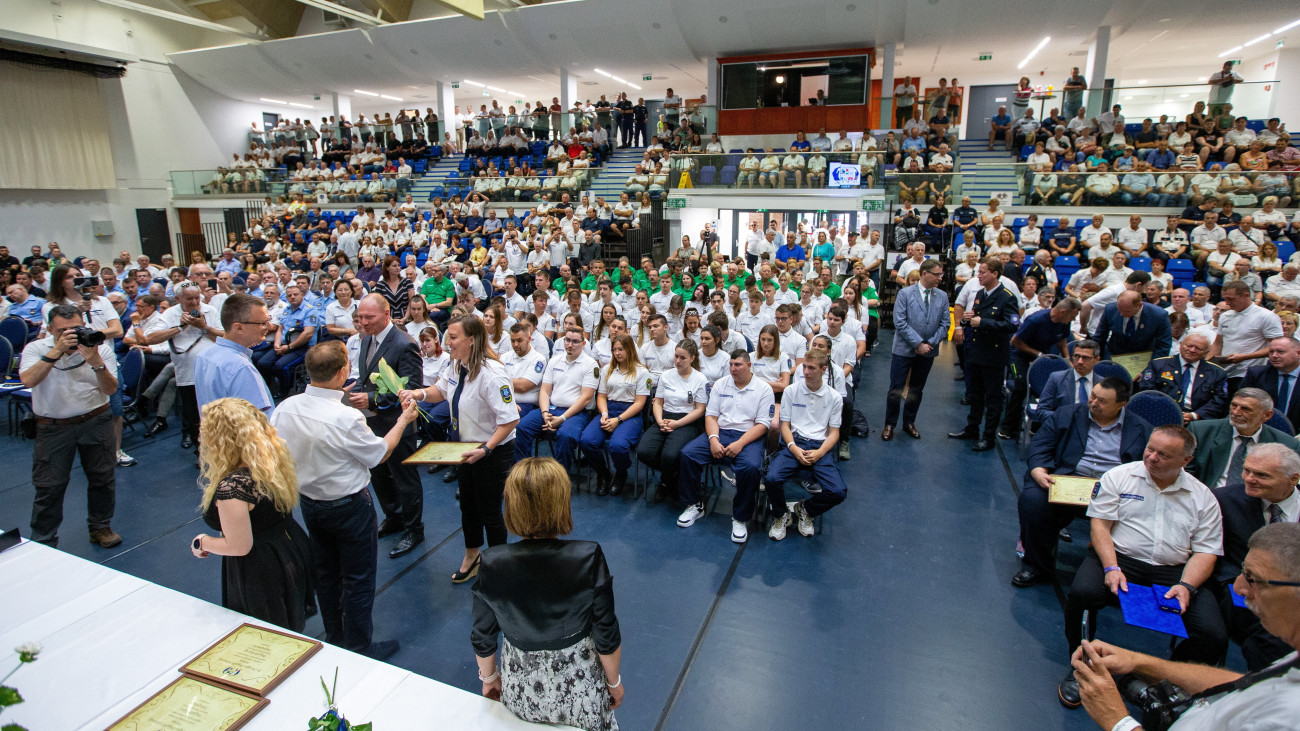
(873, 205)
(676, 203)
(647, 77)
(986, 57)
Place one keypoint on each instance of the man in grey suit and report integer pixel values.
(1225, 442)
(920, 324)
(398, 486)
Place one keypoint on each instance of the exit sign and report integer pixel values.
(873, 204)
(455, 86)
(647, 77)
(519, 101)
(675, 203)
(986, 57)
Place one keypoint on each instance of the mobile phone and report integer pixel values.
(212, 284)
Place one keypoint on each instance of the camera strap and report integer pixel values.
(1241, 683)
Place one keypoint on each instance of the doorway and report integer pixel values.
(982, 103)
(269, 120)
(155, 236)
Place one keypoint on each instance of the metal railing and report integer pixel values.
(1168, 188)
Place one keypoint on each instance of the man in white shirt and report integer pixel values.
(656, 354)
(334, 451)
(1180, 301)
(1221, 84)
(1090, 235)
(1133, 238)
(1246, 239)
(1244, 332)
(1205, 238)
(525, 366)
(563, 405)
(1283, 285)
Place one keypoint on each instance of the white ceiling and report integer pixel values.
(522, 50)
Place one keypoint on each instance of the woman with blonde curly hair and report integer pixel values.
(249, 492)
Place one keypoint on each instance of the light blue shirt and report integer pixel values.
(29, 310)
(1102, 451)
(227, 370)
(231, 266)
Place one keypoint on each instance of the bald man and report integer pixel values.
(1129, 325)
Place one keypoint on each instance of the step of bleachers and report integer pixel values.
(985, 172)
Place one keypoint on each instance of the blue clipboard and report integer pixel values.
(1141, 610)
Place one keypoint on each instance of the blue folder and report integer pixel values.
(1238, 599)
(1140, 610)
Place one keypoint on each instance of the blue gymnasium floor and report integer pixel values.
(900, 614)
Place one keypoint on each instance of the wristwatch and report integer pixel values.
(487, 451)
(1190, 589)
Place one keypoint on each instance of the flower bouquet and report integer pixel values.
(10, 696)
(331, 719)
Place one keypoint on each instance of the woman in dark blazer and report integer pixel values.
(553, 601)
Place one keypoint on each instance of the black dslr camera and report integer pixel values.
(84, 285)
(1160, 704)
(88, 337)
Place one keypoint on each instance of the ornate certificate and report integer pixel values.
(189, 704)
(252, 659)
(441, 453)
(1071, 490)
(1134, 363)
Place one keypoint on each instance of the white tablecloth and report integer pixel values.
(112, 640)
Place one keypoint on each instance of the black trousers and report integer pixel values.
(189, 410)
(52, 456)
(398, 486)
(663, 452)
(1016, 402)
(1040, 523)
(482, 486)
(910, 371)
(985, 399)
(345, 542)
(1207, 638)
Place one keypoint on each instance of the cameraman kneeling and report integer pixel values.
(1263, 700)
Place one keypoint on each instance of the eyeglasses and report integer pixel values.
(1257, 583)
(260, 323)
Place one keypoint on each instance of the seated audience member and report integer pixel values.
(1228, 700)
(1077, 439)
(810, 429)
(1129, 325)
(621, 395)
(1280, 377)
(567, 392)
(1152, 524)
(1266, 494)
(1070, 386)
(735, 422)
(1218, 462)
(1199, 386)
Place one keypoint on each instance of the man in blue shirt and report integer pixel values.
(1139, 187)
(965, 218)
(297, 333)
(228, 263)
(1159, 157)
(1001, 127)
(1043, 332)
(25, 305)
(227, 370)
(791, 250)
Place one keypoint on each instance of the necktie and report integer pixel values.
(1187, 383)
(455, 404)
(1233, 477)
(373, 355)
(1275, 514)
(1284, 392)
(925, 297)
(1083, 390)
(1130, 329)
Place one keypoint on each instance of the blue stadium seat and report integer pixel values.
(1140, 264)
(707, 175)
(729, 175)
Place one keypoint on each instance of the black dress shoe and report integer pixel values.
(1026, 578)
(602, 485)
(1064, 535)
(409, 540)
(661, 492)
(982, 445)
(381, 651)
(965, 400)
(618, 485)
(157, 427)
(452, 475)
(963, 434)
(910, 430)
(1068, 692)
(187, 442)
(887, 433)
(390, 527)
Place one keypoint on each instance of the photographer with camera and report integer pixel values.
(70, 380)
(188, 328)
(1189, 697)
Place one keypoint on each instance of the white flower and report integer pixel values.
(30, 649)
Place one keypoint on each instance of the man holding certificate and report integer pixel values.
(334, 450)
(1131, 326)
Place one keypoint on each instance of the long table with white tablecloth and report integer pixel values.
(112, 640)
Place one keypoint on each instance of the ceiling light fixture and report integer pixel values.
(1286, 27)
(494, 88)
(603, 73)
(1142, 81)
(180, 18)
(1034, 52)
(393, 98)
(363, 91)
(1231, 51)
(1253, 41)
(301, 106)
(274, 101)
(472, 83)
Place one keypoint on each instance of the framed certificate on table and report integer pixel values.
(1071, 490)
(252, 659)
(190, 704)
(441, 453)
(1134, 363)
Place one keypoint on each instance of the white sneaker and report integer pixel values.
(804, 520)
(690, 515)
(739, 532)
(777, 531)
(728, 475)
(124, 459)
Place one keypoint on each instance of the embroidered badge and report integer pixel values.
(539, 367)
(1096, 490)
(771, 411)
(650, 383)
(506, 396)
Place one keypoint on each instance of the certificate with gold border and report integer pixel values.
(189, 704)
(252, 659)
(441, 453)
(1071, 490)
(1134, 363)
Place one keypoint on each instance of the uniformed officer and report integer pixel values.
(740, 409)
(621, 395)
(993, 317)
(657, 353)
(1040, 333)
(525, 365)
(1199, 386)
(568, 390)
(810, 427)
(296, 333)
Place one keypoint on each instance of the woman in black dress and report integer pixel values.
(553, 602)
(395, 288)
(250, 490)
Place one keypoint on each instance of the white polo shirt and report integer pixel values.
(844, 350)
(1246, 332)
(811, 414)
(680, 395)
(750, 324)
(1158, 527)
(567, 378)
(740, 409)
(618, 386)
(332, 447)
(715, 367)
(531, 366)
(770, 369)
(190, 341)
(661, 300)
(658, 359)
(71, 388)
(1131, 240)
(793, 344)
(485, 402)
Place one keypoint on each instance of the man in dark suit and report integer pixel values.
(1282, 369)
(1129, 325)
(1071, 386)
(1219, 459)
(398, 487)
(1267, 494)
(1199, 386)
(920, 325)
(1079, 439)
(993, 319)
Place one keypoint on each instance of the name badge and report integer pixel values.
(1131, 496)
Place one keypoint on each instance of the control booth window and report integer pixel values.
(825, 81)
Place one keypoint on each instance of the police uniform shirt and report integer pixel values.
(740, 409)
(680, 395)
(531, 366)
(792, 344)
(855, 328)
(770, 368)
(333, 448)
(354, 354)
(972, 287)
(620, 387)
(811, 414)
(567, 379)
(540, 344)
(786, 296)
(190, 341)
(1158, 527)
(812, 311)
(658, 359)
(71, 388)
(485, 402)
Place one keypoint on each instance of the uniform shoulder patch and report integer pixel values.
(650, 382)
(506, 396)
(539, 367)
(596, 371)
(771, 411)
(1096, 490)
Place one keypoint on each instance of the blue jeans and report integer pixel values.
(566, 438)
(1171, 200)
(345, 540)
(1150, 198)
(747, 466)
(784, 465)
(619, 443)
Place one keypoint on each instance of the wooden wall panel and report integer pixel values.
(789, 120)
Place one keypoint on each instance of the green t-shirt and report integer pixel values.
(641, 281)
(832, 290)
(589, 284)
(871, 294)
(435, 291)
(559, 286)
